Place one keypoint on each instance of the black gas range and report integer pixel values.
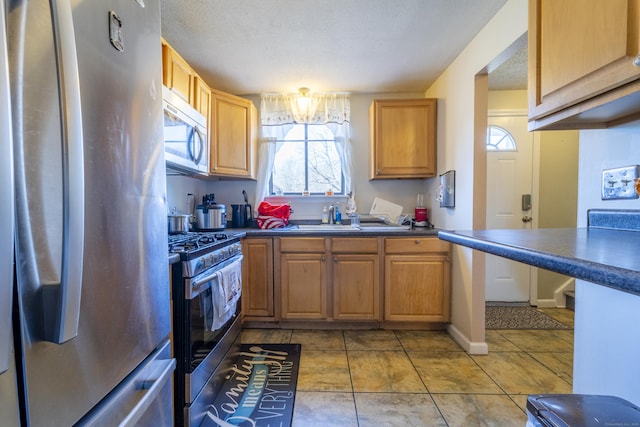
(202, 250)
(202, 342)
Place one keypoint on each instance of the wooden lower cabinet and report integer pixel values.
(417, 280)
(302, 278)
(257, 278)
(333, 278)
(356, 278)
(348, 279)
(304, 286)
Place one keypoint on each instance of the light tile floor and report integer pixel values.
(422, 378)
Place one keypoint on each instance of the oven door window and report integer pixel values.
(204, 330)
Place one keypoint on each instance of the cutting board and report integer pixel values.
(385, 209)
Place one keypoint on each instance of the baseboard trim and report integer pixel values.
(464, 342)
(560, 299)
(547, 303)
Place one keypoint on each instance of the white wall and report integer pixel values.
(605, 149)
(458, 123)
(606, 348)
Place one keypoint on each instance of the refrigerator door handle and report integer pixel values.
(125, 406)
(154, 384)
(6, 201)
(62, 308)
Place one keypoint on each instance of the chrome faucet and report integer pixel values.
(332, 214)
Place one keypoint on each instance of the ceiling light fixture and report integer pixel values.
(304, 92)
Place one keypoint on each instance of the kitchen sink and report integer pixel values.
(365, 227)
(325, 227)
(382, 227)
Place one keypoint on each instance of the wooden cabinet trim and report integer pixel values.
(354, 245)
(415, 245)
(302, 244)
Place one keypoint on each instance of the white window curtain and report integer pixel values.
(278, 114)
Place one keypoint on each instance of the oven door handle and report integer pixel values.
(198, 284)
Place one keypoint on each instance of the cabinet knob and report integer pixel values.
(636, 61)
(417, 242)
(322, 259)
(335, 260)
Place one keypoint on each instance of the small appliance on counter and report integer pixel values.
(210, 216)
(242, 215)
(421, 212)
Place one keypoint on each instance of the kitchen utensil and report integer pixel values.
(210, 215)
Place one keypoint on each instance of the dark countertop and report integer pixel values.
(292, 232)
(609, 257)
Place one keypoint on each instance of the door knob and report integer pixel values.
(526, 219)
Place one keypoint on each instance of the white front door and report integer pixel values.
(509, 177)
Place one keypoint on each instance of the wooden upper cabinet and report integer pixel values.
(581, 63)
(403, 138)
(233, 135)
(177, 75)
(202, 98)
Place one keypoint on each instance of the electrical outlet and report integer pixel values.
(619, 183)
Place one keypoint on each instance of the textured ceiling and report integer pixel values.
(358, 46)
(512, 74)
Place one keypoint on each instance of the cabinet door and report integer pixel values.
(177, 74)
(202, 98)
(416, 288)
(231, 135)
(356, 287)
(303, 286)
(579, 49)
(403, 138)
(257, 277)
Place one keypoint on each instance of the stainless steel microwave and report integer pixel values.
(186, 146)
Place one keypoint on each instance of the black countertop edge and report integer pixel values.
(575, 256)
(280, 232)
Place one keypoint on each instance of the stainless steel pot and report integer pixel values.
(211, 217)
(178, 223)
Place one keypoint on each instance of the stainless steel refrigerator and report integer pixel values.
(84, 304)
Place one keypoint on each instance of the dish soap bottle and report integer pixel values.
(338, 215)
(325, 215)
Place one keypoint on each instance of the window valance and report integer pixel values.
(315, 108)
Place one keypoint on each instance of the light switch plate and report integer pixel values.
(619, 183)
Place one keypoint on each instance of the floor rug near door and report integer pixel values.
(261, 390)
(519, 317)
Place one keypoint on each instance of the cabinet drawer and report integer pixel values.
(362, 245)
(302, 244)
(414, 245)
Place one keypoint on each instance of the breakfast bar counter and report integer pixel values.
(605, 256)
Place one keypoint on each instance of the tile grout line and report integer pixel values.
(435, 404)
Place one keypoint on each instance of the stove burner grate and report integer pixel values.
(193, 241)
